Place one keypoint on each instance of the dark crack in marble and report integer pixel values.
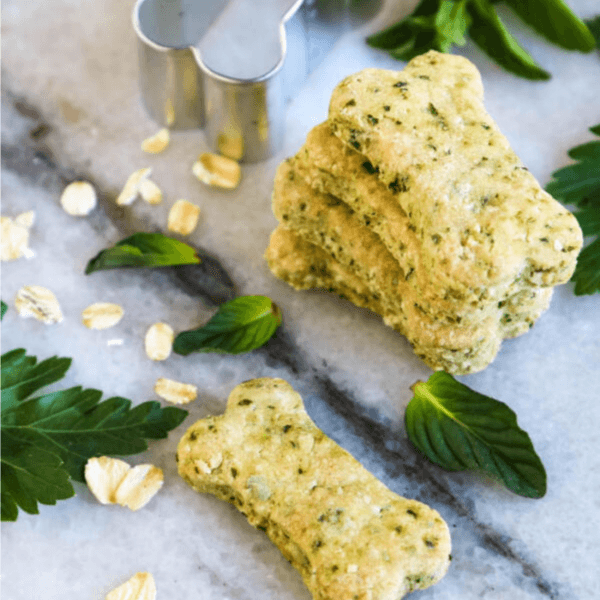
(33, 160)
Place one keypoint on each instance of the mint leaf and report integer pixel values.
(460, 429)
(47, 440)
(240, 325)
(435, 24)
(144, 250)
(556, 22)
(442, 24)
(579, 184)
(402, 32)
(594, 26)
(490, 34)
(451, 24)
(4, 309)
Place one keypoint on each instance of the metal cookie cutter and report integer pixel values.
(218, 64)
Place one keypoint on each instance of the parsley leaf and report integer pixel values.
(240, 325)
(4, 309)
(46, 440)
(441, 24)
(459, 429)
(144, 250)
(579, 184)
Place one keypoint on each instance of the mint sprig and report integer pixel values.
(442, 24)
(3, 309)
(579, 184)
(594, 26)
(46, 440)
(460, 429)
(240, 325)
(144, 250)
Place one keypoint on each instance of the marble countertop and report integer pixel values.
(71, 109)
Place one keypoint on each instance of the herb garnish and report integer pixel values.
(240, 325)
(579, 184)
(47, 440)
(594, 26)
(3, 309)
(144, 250)
(459, 429)
(441, 24)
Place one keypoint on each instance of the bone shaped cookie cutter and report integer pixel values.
(217, 64)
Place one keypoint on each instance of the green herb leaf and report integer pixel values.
(435, 24)
(240, 325)
(21, 376)
(47, 440)
(556, 22)
(4, 309)
(144, 250)
(579, 184)
(594, 26)
(490, 34)
(451, 24)
(400, 33)
(442, 24)
(460, 429)
(30, 475)
(587, 271)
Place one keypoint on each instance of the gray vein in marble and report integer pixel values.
(33, 160)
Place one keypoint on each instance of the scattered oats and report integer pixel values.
(558, 245)
(139, 486)
(25, 219)
(38, 302)
(115, 342)
(101, 315)
(15, 236)
(113, 481)
(352, 568)
(79, 198)
(103, 476)
(132, 186)
(175, 392)
(159, 341)
(218, 171)
(150, 192)
(183, 217)
(157, 143)
(140, 587)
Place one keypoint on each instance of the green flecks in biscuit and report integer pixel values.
(411, 202)
(348, 535)
(457, 350)
(444, 158)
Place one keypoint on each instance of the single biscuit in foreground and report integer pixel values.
(349, 536)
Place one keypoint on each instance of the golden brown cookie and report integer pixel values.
(348, 535)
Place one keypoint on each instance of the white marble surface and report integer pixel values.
(71, 64)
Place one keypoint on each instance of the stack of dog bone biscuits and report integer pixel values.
(409, 201)
(347, 534)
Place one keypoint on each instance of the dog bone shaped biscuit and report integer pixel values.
(347, 534)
